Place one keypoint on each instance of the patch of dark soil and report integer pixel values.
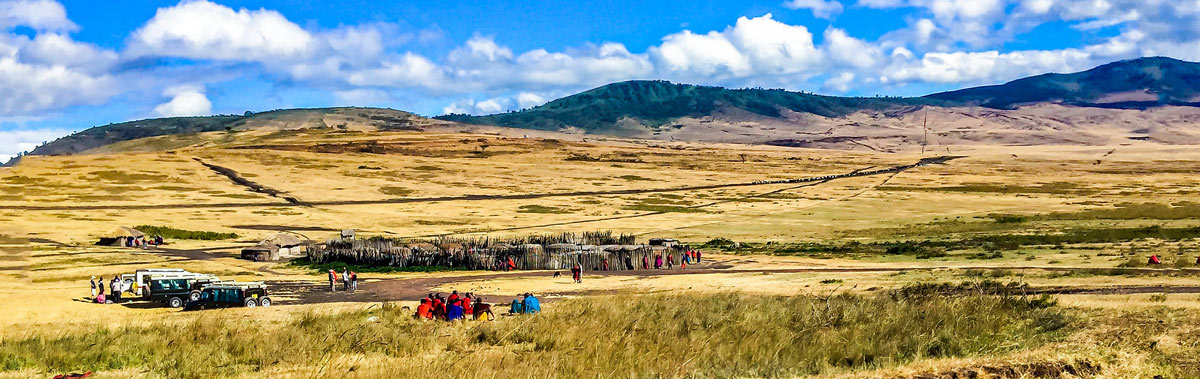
(1046, 369)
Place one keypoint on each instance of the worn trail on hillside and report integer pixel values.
(252, 186)
(408, 200)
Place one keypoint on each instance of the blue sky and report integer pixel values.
(69, 65)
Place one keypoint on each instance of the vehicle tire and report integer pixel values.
(250, 303)
(264, 302)
(175, 302)
(194, 296)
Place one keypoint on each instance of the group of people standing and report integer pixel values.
(116, 286)
(454, 307)
(349, 280)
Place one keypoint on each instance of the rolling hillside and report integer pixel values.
(655, 103)
(288, 119)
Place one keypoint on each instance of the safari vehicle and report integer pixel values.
(142, 277)
(231, 294)
(175, 290)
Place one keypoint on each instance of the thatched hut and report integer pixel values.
(121, 236)
(275, 247)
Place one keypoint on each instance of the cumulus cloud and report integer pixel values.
(470, 106)
(820, 8)
(42, 15)
(752, 47)
(185, 101)
(529, 100)
(204, 30)
(13, 142)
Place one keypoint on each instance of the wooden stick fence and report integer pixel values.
(537, 252)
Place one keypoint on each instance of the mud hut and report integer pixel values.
(121, 236)
(275, 247)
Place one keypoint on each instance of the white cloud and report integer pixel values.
(987, 66)
(528, 100)
(753, 47)
(185, 101)
(470, 106)
(840, 82)
(849, 50)
(41, 15)
(820, 8)
(204, 30)
(13, 142)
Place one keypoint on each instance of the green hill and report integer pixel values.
(370, 118)
(654, 103)
(1136, 84)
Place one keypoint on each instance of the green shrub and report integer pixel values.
(180, 234)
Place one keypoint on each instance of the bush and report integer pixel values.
(180, 234)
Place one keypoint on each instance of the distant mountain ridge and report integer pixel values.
(654, 103)
(1131, 84)
(1005, 113)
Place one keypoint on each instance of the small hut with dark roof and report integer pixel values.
(275, 247)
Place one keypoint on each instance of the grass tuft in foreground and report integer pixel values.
(718, 335)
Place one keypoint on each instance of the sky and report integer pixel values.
(66, 66)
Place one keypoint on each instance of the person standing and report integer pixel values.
(345, 279)
(605, 264)
(332, 280)
(353, 281)
(100, 284)
(670, 261)
(577, 273)
(93, 287)
(115, 288)
(645, 262)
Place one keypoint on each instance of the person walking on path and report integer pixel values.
(93, 287)
(670, 261)
(577, 273)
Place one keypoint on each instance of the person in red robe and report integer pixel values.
(424, 310)
(1154, 260)
(468, 308)
(511, 265)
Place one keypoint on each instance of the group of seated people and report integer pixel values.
(525, 304)
(453, 308)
